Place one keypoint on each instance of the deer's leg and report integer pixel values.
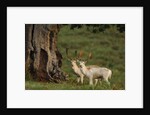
(82, 79)
(100, 81)
(91, 80)
(96, 80)
(78, 79)
(106, 79)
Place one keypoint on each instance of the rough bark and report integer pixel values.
(42, 58)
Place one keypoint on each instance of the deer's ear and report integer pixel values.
(78, 60)
(90, 55)
(85, 62)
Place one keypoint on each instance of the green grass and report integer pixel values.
(70, 85)
(108, 50)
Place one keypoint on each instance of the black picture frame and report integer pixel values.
(108, 3)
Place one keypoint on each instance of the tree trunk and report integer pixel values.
(42, 58)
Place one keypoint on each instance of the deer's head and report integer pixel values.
(71, 59)
(82, 61)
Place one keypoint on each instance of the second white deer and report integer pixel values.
(95, 73)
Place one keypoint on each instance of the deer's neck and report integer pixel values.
(84, 69)
(74, 66)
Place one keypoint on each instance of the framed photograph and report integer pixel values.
(75, 57)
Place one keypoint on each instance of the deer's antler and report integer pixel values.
(89, 57)
(80, 54)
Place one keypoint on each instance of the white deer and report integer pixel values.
(95, 72)
(76, 69)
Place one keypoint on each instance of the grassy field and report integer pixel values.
(108, 50)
